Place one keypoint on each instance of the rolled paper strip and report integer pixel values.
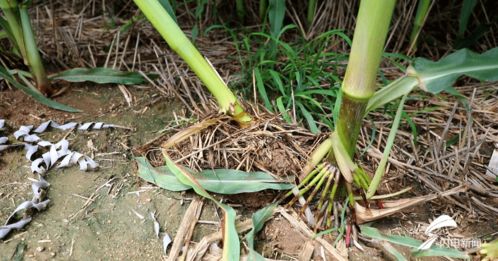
(166, 242)
(63, 145)
(85, 126)
(20, 207)
(156, 224)
(37, 187)
(23, 131)
(30, 150)
(5, 230)
(31, 138)
(46, 159)
(42, 127)
(60, 150)
(67, 126)
(36, 166)
(98, 125)
(54, 156)
(66, 160)
(44, 143)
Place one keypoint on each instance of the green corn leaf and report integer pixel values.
(258, 220)
(160, 176)
(387, 246)
(231, 243)
(99, 75)
(439, 76)
(412, 243)
(221, 181)
(35, 94)
(6, 30)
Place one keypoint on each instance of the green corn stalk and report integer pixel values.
(179, 43)
(359, 82)
(32, 53)
(359, 95)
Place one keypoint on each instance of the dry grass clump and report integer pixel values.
(269, 144)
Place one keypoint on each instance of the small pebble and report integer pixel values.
(52, 254)
(40, 249)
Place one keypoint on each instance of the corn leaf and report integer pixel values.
(258, 220)
(34, 94)
(439, 76)
(160, 176)
(98, 75)
(412, 243)
(393, 251)
(221, 181)
(231, 244)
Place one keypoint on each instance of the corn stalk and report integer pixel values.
(179, 43)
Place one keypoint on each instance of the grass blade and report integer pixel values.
(276, 13)
(258, 220)
(261, 89)
(309, 118)
(465, 13)
(99, 75)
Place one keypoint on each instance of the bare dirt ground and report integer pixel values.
(92, 215)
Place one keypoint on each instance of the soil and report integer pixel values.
(110, 227)
(105, 215)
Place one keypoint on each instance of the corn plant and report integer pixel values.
(359, 96)
(179, 43)
(16, 26)
(331, 165)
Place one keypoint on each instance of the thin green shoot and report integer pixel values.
(379, 173)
